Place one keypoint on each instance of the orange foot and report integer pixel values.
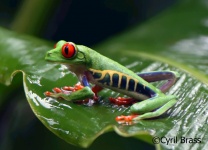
(65, 90)
(76, 87)
(123, 118)
(122, 101)
(68, 90)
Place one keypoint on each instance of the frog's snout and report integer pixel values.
(48, 55)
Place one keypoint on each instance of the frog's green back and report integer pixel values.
(100, 62)
(97, 61)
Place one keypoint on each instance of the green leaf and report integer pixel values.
(175, 40)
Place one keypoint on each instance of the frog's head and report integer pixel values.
(67, 53)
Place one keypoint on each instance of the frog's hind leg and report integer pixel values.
(153, 107)
(150, 108)
(154, 76)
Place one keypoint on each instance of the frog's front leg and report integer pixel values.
(79, 92)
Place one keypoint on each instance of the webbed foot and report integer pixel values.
(125, 119)
(78, 93)
(64, 90)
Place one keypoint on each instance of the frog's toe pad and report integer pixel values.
(76, 87)
(47, 93)
(57, 90)
(123, 118)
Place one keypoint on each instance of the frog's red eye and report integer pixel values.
(68, 50)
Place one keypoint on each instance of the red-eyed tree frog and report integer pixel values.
(92, 68)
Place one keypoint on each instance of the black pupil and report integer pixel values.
(66, 50)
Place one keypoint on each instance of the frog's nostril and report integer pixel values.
(48, 54)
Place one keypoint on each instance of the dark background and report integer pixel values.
(87, 22)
